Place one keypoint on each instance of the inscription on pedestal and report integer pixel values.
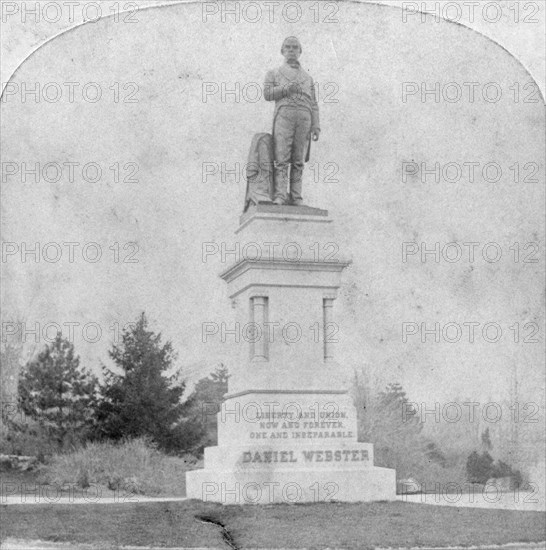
(299, 419)
(339, 455)
(303, 429)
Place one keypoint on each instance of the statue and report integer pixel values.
(275, 167)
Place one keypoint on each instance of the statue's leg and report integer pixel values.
(284, 136)
(299, 149)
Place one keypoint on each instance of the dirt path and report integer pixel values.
(525, 502)
(12, 544)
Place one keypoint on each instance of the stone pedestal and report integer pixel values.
(287, 428)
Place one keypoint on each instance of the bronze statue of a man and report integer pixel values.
(295, 123)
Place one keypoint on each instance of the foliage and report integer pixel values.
(486, 440)
(481, 467)
(200, 420)
(10, 353)
(144, 400)
(129, 467)
(389, 421)
(57, 393)
(505, 470)
(28, 438)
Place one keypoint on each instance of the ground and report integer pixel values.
(196, 524)
(190, 523)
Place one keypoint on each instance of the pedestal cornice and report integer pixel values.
(273, 212)
(245, 264)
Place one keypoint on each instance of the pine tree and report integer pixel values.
(144, 400)
(56, 392)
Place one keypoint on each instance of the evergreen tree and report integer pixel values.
(389, 421)
(144, 399)
(200, 423)
(10, 353)
(56, 392)
(395, 417)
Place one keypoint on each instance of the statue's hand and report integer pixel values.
(315, 133)
(293, 89)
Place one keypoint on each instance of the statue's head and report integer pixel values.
(291, 48)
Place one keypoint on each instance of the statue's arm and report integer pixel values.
(315, 120)
(271, 91)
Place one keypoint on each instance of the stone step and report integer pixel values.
(278, 486)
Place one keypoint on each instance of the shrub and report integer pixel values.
(134, 466)
(27, 439)
(481, 468)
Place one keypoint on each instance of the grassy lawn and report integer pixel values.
(396, 524)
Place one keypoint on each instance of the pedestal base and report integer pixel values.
(287, 430)
(317, 470)
(305, 485)
(289, 447)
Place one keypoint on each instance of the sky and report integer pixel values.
(515, 25)
(154, 132)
